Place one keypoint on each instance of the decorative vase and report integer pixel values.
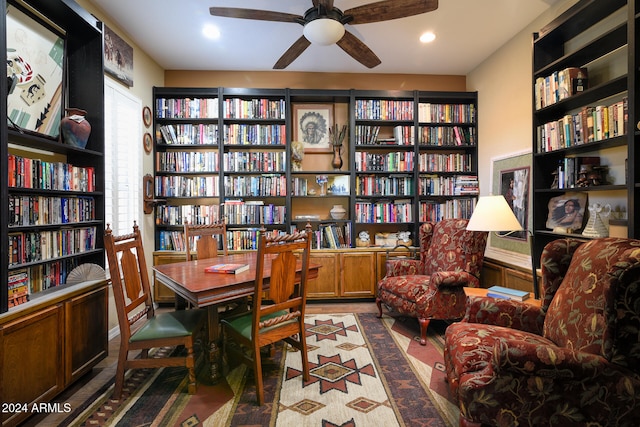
(74, 128)
(338, 212)
(336, 162)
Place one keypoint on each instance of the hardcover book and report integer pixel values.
(502, 292)
(227, 268)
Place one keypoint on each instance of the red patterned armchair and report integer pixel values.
(433, 286)
(574, 361)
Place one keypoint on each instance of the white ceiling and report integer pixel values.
(467, 32)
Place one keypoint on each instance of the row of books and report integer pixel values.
(383, 109)
(237, 240)
(187, 108)
(593, 123)
(243, 134)
(560, 85)
(43, 245)
(452, 162)
(25, 172)
(440, 136)
(446, 113)
(401, 161)
(393, 211)
(392, 185)
(257, 108)
(253, 212)
(437, 185)
(266, 185)
(187, 161)
(24, 282)
(332, 236)
(370, 135)
(255, 161)
(430, 211)
(193, 214)
(187, 186)
(190, 134)
(46, 210)
(569, 170)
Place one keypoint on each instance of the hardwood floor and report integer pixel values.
(105, 370)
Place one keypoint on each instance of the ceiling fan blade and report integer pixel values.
(292, 53)
(389, 9)
(261, 15)
(358, 50)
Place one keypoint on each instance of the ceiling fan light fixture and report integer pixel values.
(323, 31)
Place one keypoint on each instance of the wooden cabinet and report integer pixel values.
(161, 294)
(344, 274)
(496, 273)
(585, 135)
(50, 345)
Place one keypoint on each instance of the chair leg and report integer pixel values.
(379, 304)
(303, 351)
(257, 373)
(122, 361)
(192, 371)
(424, 324)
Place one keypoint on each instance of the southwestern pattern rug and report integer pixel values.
(364, 372)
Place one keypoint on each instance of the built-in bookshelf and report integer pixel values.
(408, 157)
(585, 95)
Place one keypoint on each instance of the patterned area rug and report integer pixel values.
(364, 372)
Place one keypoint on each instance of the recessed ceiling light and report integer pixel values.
(427, 37)
(211, 32)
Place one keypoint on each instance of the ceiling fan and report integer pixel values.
(324, 24)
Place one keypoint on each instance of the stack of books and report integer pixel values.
(507, 293)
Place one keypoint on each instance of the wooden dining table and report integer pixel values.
(189, 281)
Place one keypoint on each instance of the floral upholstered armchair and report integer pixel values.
(433, 286)
(574, 361)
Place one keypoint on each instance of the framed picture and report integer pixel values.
(147, 142)
(118, 57)
(35, 71)
(566, 212)
(311, 123)
(146, 116)
(516, 166)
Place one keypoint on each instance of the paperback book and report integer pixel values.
(227, 268)
(502, 292)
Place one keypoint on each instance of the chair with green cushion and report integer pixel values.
(281, 318)
(141, 328)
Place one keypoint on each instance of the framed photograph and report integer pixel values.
(118, 57)
(35, 71)
(311, 123)
(514, 186)
(566, 212)
(516, 166)
(148, 142)
(146, 116)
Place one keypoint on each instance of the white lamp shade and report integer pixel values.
(492, 213)
(323, 31)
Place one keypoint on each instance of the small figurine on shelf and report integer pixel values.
(297, 154)
(322, 182)
(363, 240)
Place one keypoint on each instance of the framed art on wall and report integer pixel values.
(118, 57)
(35, 69)
(504, 169)
(311, 123)
(146, 116)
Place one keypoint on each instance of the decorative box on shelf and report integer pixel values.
(392, 239)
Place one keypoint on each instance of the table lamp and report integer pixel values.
(492, 213)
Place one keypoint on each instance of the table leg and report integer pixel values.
(215, 354)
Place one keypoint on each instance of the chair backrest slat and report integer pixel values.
(208, 238)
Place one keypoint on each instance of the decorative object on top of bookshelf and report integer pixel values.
(75, 128)
(147, 142)
(35, 62)
(297, 154)
(596, 227)
(146, 116)
(312, 123)
(566, 212)
(363, 240)
(519, 162)
(118, 57)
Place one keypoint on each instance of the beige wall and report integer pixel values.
(146, 74)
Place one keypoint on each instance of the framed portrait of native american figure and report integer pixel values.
(311, 123)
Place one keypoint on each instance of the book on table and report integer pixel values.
(502, 292)
(227, 268)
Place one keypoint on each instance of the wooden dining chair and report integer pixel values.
(141, 328)
(206, 239)
(282, 317)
